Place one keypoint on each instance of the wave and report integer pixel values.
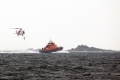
(25, 51)
(31, 51)
(63, 51)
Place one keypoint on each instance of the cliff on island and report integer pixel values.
(86, 48)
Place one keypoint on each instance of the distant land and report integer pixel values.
(86, 48)
(31, 49)
(79, 48)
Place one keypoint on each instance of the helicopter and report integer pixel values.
(19, 32)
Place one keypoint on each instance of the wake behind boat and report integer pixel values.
(51, 47)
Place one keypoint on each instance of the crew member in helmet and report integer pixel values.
(23, 32)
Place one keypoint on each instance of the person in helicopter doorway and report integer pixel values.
(23, 32)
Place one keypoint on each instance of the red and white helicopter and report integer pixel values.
(19, 32)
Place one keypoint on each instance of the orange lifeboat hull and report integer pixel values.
(52, 50)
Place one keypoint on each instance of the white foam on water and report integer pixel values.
(63, 51)
(31, 51)
(26, 51)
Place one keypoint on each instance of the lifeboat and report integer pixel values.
(50, 47)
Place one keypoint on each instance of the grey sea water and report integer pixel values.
(60, 66)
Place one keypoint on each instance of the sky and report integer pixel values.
(68, 23)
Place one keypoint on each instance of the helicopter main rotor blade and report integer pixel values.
(15, 28)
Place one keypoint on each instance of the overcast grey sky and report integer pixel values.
(68, 22)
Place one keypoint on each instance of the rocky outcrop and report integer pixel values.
(86, 48)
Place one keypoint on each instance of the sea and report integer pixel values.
(60, 66)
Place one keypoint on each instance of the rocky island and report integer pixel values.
(86, 48)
